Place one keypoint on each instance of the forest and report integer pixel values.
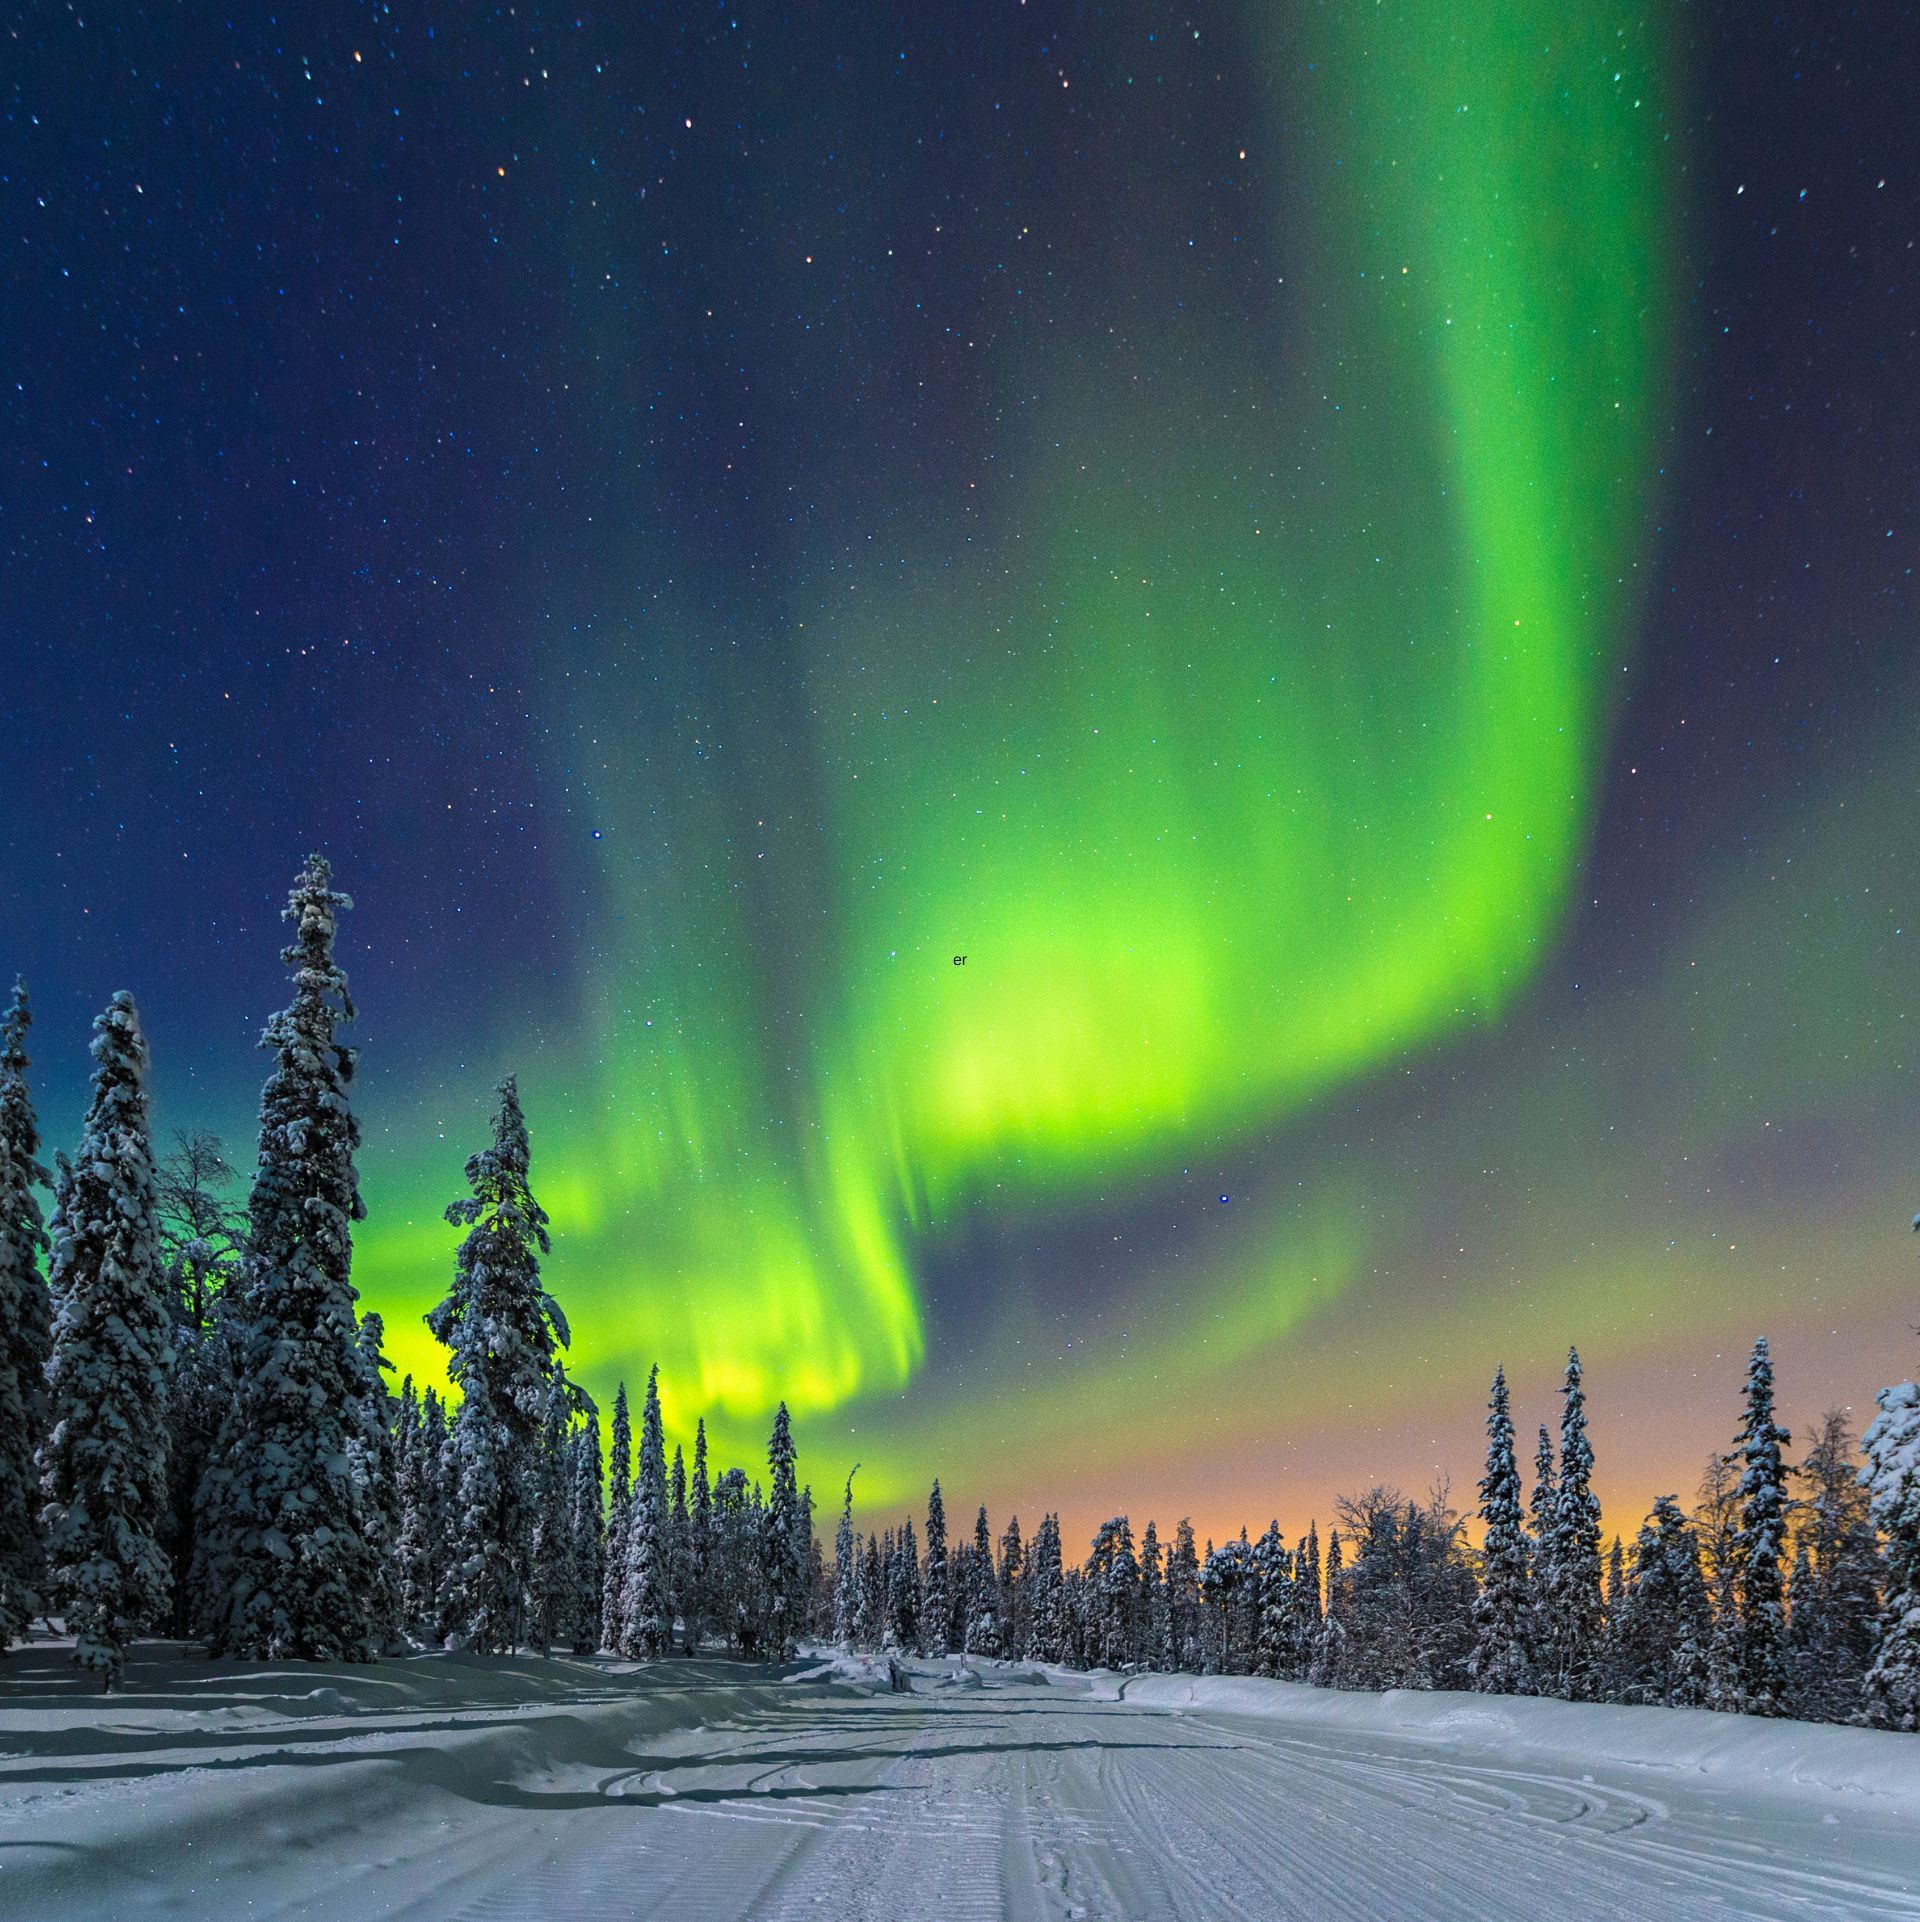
(199, 1440)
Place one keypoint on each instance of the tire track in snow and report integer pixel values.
(1017, 1800)
(1630, 1857)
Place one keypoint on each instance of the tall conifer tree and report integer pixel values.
(1272, 1580)
(285, 1567)
(410, 1559)
(104, 1461)
(696, 1605)
(1575, 1611)
(619, 1518)
(1013, 1589)
(555, 1587)
(1330, 1656)
(646, 1624)
(1499, 1663)
(1307, 1604)
(1183, 1598)
(870, 1625)
(935, 1601)
(371, 1451)
(1892, 1477)
(1761, 1543)
(504, 1332)
(679, 1535)
(26, 1332)
(783, 1558)
(1047, 1633)
(1661, 1630)
(846, 1569)
(587, 1499)
(1153, 1600)
(983, 1588)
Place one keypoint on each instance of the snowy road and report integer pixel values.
(721, 1794)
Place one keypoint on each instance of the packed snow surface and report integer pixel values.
(440, 1787)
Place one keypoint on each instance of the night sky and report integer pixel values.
(1357, 562)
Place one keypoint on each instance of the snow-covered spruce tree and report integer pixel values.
(1183, 1599)
(1013, 1590)
(1716, 1527)
(782, 1556)
(1761, 1543)
(959, 1588)
(1540, 1506)
(424, 1524)
(201, 1387)
(1616, 1587)
(370, 1450)
(1803, 1607)
(646, 1620)
(816, 1587)
(1832, 1625)
(983, 1635)
(406, 1488)
(20, 1545)
(504, 1332)
(587, 1537)
(619, 1518)
(739, 1574)
(1046, 1634)
(1153, 1601)
(1273, 1602)
(1306, 1604)
(552, 1595)
(1500, 1663)
(1892, 1480)
(1606, 1674)
(26, 1332)
(283, 1564)
(846, 1570)
(1574, 1608)
(696, 1601)
(1081, 1613)
(1662, 1628)
(870, 1624)
(935, 1603)
(679, 1540)
(104, 1463)
(1112, 1594)
(1330, 1651)
(899, 1613)
(1228, 1586)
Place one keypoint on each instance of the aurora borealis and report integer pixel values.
(1355, 563)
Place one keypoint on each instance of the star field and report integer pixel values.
(1358, 568)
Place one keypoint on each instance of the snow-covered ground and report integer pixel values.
(440, 1787)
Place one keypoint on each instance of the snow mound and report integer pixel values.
(1739, 1752)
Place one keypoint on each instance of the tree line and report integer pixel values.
(198, 1438)
(1788, 1590)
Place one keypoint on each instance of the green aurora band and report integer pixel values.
(1253, 744)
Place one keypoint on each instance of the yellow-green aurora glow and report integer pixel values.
(1246, 741)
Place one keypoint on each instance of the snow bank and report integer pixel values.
(1739, 1752)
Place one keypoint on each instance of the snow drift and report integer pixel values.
(1736, 1751)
